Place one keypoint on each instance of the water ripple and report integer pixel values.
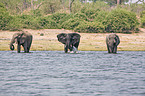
(87, 73)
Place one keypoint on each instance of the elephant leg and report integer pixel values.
(75, 49)
(66, 49)
(25, 47)
(115, 49)
(28, 48)
(18, 48)
(29, 45)
(109, 49)
(71, 49)
(27, 51)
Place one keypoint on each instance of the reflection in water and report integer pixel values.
(87, 73)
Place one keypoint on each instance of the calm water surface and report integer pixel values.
(87, 73)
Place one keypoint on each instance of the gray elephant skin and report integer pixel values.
(21, 38)
(112, 41)
(70, 41)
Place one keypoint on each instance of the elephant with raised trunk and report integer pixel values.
(21, 38)
(112, 41)
(70, 41)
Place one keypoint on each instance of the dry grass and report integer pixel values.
(89, 41)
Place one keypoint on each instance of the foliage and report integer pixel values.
(91, 9)
(120, 20)
(142, 14)
(71, 23)
(89, 27)
(47, 23)
(81, 16)
(36, 12)
(58, 16)
(143, 22)
(101, 16)
(97, 16)
(77, 5)
(136, 8)
(15, 23)
(4, 17)
(51, 6)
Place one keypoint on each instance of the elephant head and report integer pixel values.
(112, 41)
(70, 40)
(17, 37)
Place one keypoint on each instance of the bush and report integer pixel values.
(91, 13)
(4, 17)
(66, 18)
(142, 14)
(143, 22)
(15, 23)
(81, 16)
(120, 20)
(28, 21)
(89, 27)
(71, 23)
(101, 16)
(47, 23)
(36, 12)
(58, 16)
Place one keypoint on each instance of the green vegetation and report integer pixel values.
(142, 19)
(95, 17)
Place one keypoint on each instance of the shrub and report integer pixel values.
(81, 16)
(89, 27)
(47, 23)
(58, 16)
(66, 18)
(36, 12)
(142, 14)
(71, 23)
(143, 22)
(91, 13)
(120, 20)
(28, 21)
(4, 17)
(101, 16)
(15, 23)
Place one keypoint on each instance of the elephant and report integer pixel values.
(21, 38)
(70, 41)
(112, 41)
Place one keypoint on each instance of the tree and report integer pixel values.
(140, 1)
(118, 2)
(112, 2)
(63, 4)
(70, 5)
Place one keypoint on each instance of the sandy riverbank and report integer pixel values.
(89, 41)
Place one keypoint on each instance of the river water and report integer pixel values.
(87, 73)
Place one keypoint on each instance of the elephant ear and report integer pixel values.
(62, 38)
(117, 40)
(21, 38)
(75, 38)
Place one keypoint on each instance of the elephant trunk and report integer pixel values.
(69, 45)
(11, 44)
